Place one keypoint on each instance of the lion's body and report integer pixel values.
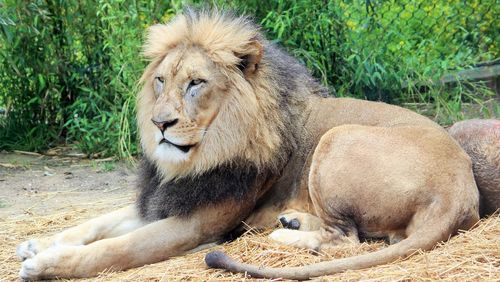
(481, 140)
(229, 124)
(320, 115)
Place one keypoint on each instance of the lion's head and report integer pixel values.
(207, 96)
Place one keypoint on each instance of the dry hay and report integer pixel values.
(470, 256)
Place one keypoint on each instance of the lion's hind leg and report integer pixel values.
(109, 225)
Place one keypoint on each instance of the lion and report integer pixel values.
(481, 140)
(233, 129)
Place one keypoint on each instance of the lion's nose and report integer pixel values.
(163, 125)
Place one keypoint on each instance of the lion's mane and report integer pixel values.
(257, 131)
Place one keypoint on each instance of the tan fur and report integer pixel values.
(416, 195)
(481, 140)
(66, 257)
(238, 117)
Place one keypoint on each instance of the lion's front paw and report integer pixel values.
(29, 249)
(30, 269)
(53, 262)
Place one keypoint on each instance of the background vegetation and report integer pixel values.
(69, 69)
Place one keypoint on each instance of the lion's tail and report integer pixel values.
(424, 239)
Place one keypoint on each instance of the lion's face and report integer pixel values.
(188, 91)
(206, 99)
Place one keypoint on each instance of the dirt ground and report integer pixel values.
(36, 185)
(42, 195)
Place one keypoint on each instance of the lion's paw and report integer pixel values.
(288, 222)
(55, 261)
(28, 249)
(284, 236)
(299, 221)
(31, 248)
(296, 238)
(30, 269)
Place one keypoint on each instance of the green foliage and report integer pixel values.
(69, 73)
(69, 69)
(387, 50)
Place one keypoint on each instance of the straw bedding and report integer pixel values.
(470, 256)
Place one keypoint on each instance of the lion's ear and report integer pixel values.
(250, 57)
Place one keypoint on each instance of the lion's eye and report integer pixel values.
(196, 81)
(192, 88)
(159, 81)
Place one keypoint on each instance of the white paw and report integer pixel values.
(26, 250)
(284, 236)
(296, 238)
(49, 263)
(30, 270)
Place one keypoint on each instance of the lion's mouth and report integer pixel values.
(183, 148)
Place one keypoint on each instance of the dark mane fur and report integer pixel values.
(182, 196)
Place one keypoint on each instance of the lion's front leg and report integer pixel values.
(151, 243)
(106, 226)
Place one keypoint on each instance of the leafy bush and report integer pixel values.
(69, 69)
(69, 73)
(388, 50)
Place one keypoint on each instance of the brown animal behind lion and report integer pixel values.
(228, 124)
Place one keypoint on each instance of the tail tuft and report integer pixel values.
(217, 259)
